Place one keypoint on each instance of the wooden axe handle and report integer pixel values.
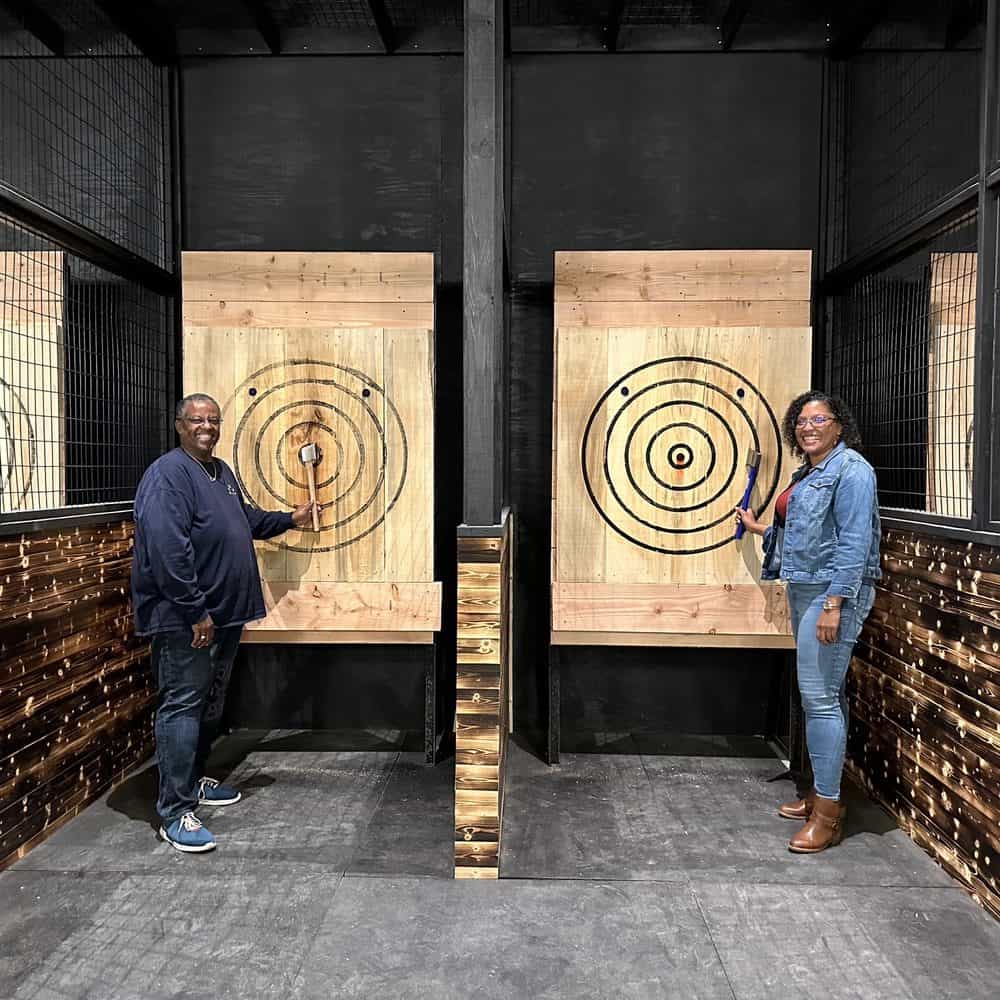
(311, 475)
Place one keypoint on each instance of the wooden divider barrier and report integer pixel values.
(925, 703)
(482, 711)
(76, 692)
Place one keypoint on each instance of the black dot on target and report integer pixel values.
(252, 391)
(680, 456)
(624, 390)
(366, 393)
(741, 392)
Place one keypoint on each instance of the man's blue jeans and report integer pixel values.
(192, 691)
(822, 673)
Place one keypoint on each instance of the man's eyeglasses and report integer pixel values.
(198, 421)
(819, 420)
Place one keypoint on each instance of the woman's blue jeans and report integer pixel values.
(192, 691)
(822, 674)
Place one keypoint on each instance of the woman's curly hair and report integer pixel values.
(849, 433)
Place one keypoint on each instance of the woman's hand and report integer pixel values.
(749, 521)
(302, 515)
(828, 626)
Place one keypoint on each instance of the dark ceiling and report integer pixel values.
(168, 29)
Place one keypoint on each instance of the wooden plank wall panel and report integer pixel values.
(925, 703)
(76, 693)
(335, 349)
(669, 367)
(482, 701)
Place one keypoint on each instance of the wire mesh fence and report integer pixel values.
(902, 354)
(907, 135)
(85, 365)
(86, 134)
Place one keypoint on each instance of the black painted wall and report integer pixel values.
(607, 152)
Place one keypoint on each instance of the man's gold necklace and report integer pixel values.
(213, 475)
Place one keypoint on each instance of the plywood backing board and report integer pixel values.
(363, 393)
(951, 366)
(32, 429)
(652, 428)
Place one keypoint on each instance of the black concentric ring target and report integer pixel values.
(683, 428)
(357, 427)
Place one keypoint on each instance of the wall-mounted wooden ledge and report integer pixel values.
(671, 639)
(373, 613)
(327, 637)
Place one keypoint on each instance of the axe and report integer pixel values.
(309, 456)
(753, 465)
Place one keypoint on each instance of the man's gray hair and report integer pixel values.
(195, 397)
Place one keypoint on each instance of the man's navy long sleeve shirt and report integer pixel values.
(194, 547)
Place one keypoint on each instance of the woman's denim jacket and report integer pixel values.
(832, 531)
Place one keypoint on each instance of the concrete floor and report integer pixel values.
(657, 871)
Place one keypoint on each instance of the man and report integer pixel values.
(195, 584)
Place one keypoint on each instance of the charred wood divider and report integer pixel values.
(924, 691)
(76, 692)
(482, 697)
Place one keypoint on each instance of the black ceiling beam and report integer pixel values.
(614, 25)
(36, 22)
(155, 41)
(731, 21)
(265, 24)
(850, 28)
(383, 24)
(963, 18)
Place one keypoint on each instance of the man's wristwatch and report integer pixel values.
(828, 605)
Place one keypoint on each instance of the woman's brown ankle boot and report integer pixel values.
(824, 828)
(800, 808)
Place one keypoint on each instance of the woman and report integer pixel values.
(825, 543)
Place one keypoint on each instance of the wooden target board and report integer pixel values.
(32, 370)
(951, 383)
(283, 343)
(653, 423)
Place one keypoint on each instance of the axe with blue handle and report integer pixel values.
(753, 465)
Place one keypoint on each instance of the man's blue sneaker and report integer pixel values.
(188, 835)
(211, 793)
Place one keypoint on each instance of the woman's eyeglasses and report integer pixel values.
(817, 421)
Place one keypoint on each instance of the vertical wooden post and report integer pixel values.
(483, 298)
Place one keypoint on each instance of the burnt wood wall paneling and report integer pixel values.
(925, 703)
(76, 692)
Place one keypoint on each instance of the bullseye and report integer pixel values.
(680, 456)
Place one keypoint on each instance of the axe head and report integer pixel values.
(753, 458)
(310, 454)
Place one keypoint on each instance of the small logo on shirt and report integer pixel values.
(230, 490)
